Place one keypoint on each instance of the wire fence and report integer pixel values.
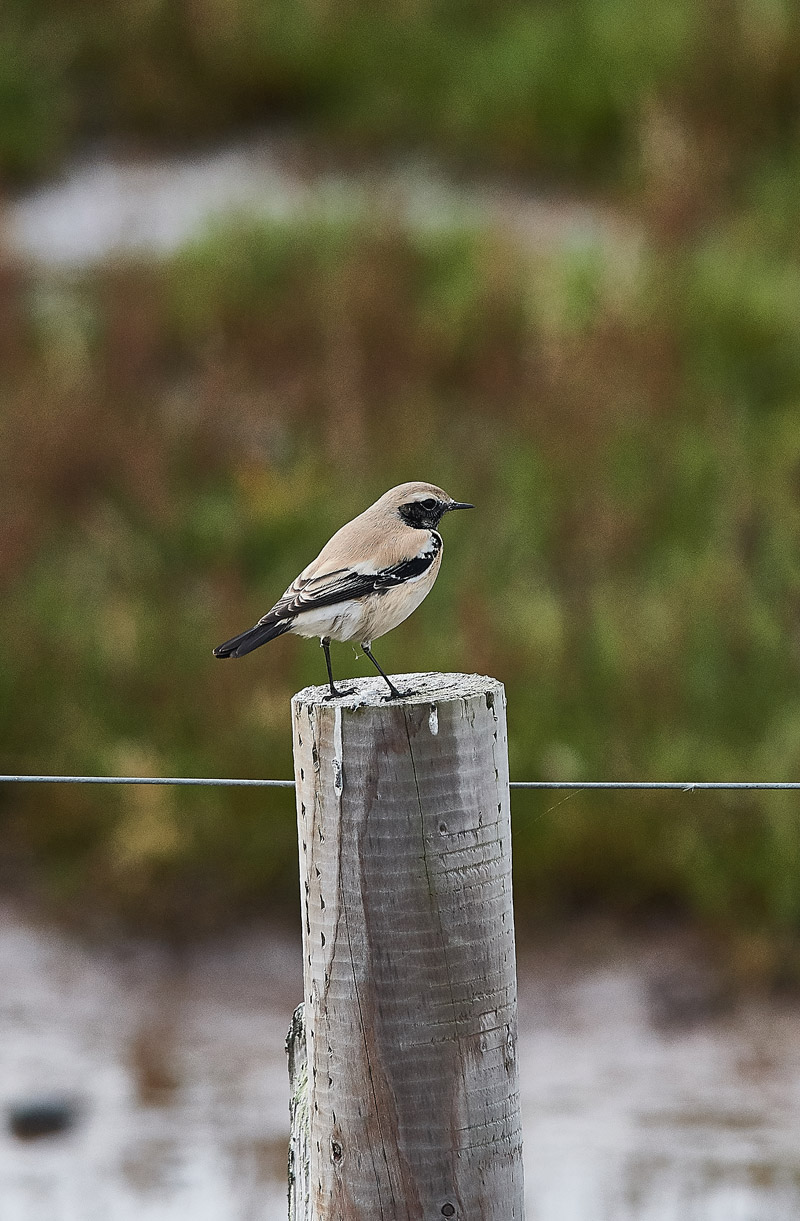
(681, 786)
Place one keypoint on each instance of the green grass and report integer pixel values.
(179, 438)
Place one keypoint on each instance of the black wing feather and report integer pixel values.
(354, 585)
(361, 585)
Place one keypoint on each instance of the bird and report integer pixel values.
(366, 580)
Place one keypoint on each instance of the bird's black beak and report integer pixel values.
(457, 504)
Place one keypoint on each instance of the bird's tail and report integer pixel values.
(252, 638)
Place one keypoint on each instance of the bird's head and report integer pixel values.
(420, 505)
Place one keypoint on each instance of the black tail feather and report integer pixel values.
(245, 642)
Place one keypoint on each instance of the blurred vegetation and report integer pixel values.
(178, 438)
(609, 91)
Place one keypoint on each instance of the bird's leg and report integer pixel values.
(326, 644)
(394, 694)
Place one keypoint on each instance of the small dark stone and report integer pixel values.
(41, 1117)
(686, 995)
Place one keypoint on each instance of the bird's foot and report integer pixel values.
(336, 693)
(394, 694)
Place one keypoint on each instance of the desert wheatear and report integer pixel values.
(371, 575)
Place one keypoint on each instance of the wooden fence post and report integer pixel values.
(408, 944)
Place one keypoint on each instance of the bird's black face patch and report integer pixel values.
(423, 514)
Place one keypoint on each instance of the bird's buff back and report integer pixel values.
(375, 540)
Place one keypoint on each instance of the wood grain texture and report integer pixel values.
(299, 1159)
(410, 979)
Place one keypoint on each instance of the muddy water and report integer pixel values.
(177, 1072)
(646, 1096)
(103, 207)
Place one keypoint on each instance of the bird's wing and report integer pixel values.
(315, 588)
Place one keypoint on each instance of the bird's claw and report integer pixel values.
(394, 694)
(337, 694)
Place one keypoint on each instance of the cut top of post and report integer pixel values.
(431, 688)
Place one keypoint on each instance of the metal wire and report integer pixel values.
(681, 786)
(203, 780)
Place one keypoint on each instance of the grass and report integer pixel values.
(180, 437)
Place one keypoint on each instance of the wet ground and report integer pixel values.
(647, 1093)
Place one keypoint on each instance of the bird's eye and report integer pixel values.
(429, 504)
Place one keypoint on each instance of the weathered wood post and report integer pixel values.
(408, 943)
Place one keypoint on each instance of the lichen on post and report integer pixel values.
(408, 944)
